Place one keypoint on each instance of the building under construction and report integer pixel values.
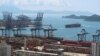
(8, 23)
(47, 45)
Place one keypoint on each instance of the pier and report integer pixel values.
(48, 32)
(82, 35)
(42, 39)
(96, 36)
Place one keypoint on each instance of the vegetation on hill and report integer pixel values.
(93, 18)
(87, 18)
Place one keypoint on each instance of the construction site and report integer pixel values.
(37, 45)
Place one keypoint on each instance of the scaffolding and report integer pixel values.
(7, 16)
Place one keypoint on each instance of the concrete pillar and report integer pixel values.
(48, 33)
(44, 33)
(38, 30)
(2, 32)
(32, 33)
(35, 31)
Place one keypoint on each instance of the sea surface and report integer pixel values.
(59, 23)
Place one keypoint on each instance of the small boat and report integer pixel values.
(73, 25)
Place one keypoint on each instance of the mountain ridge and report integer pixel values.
(14, 9)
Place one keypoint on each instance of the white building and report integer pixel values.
(5, 50)
(32, 53)
(75, 54)
(95, 49)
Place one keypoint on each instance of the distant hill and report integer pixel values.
(13, 8)
(9, 8)
(93, 18)
(67, 12)
(78, 12)
(73, 16)
(86, 18)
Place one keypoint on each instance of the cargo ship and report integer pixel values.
(75, 25)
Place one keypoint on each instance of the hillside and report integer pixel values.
(86, 18)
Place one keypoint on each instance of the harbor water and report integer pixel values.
(59, 23)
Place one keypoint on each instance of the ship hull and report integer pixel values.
(73, 25)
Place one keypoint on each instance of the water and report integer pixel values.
(71, 33)
(67, 33)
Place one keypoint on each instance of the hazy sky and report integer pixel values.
(57, 5)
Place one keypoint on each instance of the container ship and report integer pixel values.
(73, 25)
